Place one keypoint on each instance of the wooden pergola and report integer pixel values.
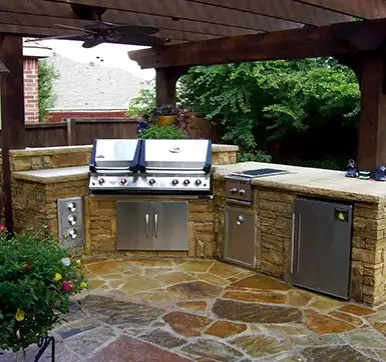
(215, 32)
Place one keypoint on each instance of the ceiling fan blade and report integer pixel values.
(99, 26)
(59, 37)
(145, 40)
(83, 30)
(91, 43)
(133, 30)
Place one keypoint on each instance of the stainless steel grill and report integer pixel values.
(151, 167)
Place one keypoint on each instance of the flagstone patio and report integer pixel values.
(203, 310)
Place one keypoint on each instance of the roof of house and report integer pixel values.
(34, 49)
(92, 87)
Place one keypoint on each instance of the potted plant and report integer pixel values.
(165, 115)
(37, 279)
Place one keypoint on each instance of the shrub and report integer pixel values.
(257, 156)
(36, 281)
(162, 132)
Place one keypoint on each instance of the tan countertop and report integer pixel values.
(301, 180)
(311, 181)
(53, 175)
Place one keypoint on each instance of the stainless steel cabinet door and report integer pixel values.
(170, 225)
(240, 236)
(322, 246)
(134, 225)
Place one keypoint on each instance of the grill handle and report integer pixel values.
(176, 169)
(147, 225)
(156, 225)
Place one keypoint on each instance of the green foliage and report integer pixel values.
(257, 156)
(328, 163)
(278, 98)
(163, 132)
(46, 76)
(144, 104)
(31, 300)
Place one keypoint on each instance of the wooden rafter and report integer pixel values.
(283, 9)
(367, 9)
(337, 39)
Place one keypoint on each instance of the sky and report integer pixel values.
(110, 55)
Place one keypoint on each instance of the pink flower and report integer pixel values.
(27, 266)
(2, 227)
(66, 286)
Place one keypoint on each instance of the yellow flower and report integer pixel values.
(78, 262)
(19, 315)
(83, 285)
(57, 277)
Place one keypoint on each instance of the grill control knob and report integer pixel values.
(72, 220)
(233, 190)
(175, 182)
(242, 192)
(72, 234)
(151, 181)
(71, 206)
(186, 182)
(123, 181)
(198, 182)
(101, 181)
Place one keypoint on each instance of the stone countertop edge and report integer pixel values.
(54, 175)
(224, 148)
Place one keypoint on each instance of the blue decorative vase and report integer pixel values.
(380, 173)
(351, 169)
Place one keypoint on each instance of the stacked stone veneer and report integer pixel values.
(101, 228)
(274, 208)
(34, 201)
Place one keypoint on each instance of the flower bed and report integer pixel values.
(37, 279)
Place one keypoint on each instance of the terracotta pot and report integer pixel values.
(165, 120)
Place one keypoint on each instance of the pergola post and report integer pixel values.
(166, 80)
(12, 113)
(371, 72)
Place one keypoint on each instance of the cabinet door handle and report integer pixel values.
(299, 242)
(147, 225)
(293, 242)
(156, 225)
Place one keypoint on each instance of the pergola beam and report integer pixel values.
(367, 9)
(336, 39)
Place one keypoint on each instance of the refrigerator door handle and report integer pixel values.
(293, 242)
(147, 225)
(156, 225)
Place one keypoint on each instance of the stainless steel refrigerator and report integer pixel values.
(321, 246)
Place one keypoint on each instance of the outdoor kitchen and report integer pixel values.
(157, 198)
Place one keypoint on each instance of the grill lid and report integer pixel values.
(115, 154)
(177, 155)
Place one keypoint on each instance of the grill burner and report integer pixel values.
(151, 167)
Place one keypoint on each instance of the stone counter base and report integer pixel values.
(273, 240)
(101, 229)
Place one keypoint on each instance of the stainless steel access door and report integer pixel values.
(170, 225)
(240, 236)
(322, 246)
(134, 225)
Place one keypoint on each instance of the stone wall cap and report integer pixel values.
(54, 175)
(311, 181)
(49, 151)
(224, 148)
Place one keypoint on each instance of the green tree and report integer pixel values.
(46, 76)
(143, 104)
(279, 98)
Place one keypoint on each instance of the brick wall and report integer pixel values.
(31, 90)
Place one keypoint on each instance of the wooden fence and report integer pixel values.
(78, 132)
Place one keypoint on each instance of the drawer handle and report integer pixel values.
(147, 225)
(292, 243)
(239, 220)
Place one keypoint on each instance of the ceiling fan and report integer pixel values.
(104, 32)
